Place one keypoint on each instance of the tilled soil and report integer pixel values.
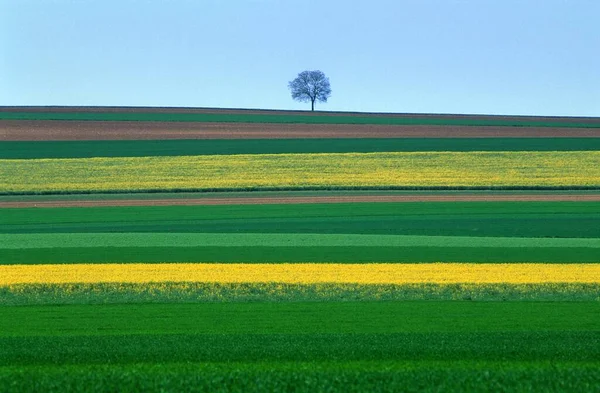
(33, 130)
(301, 199)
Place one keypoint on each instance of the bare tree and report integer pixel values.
(310, 86)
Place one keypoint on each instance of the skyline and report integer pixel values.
(502, 57)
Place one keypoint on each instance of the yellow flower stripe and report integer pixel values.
(305, 273)
(406, 169)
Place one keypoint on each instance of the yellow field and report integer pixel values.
(421, 169)
(377, 273)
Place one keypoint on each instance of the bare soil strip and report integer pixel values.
(56, 130)
(296, 200)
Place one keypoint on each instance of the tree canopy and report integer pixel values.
(310, 86)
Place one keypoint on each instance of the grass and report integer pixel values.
(195, 292)
(144, 148)
(276, 248)
(299, 171)
(261, 254)
(142, 240)
(544, 345)
(426, 376)
(309, 118)
(298, 318)
(507, 219)
(231, 345)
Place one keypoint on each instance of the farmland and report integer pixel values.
(442, 170)
(230, 250)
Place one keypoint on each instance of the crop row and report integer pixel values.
(193, 147)
(323, 318)
(375, 273)
(258, 377)
(489, 219)
(203, 292)
(577, 169)
(142, 240)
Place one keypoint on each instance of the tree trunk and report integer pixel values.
(312, 103)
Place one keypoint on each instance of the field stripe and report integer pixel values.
(378, 273)
(199, 292)
(473, 121)
(430, 170)
(142, 240)
(192, 147)
(249, 200)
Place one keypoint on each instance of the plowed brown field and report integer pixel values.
(20, 130)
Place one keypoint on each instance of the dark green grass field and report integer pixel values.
(309, 118)
(380, 346)
(330, 376)
(145, 148)
(294, 254)
(299, 318)
(499, 219)
(552, 232)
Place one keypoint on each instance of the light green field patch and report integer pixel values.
(68, 240)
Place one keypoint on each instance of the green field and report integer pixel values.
(345, 232)
(500, 219)
(295, 118)
(297, 318)
(316, 254)
(391, 170)
(515, 344)
(112, 333)
(298, 376)
(145, 148)
(278, 248)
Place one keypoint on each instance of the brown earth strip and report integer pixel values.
(235, 111)
(34, 130)
(295, 200)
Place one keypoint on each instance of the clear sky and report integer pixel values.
(525, 57)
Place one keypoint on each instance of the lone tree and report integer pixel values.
(310, 86)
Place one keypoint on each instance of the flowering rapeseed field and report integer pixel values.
(297, 171)
(311, 273)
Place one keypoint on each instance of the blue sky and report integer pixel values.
(425, 56)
